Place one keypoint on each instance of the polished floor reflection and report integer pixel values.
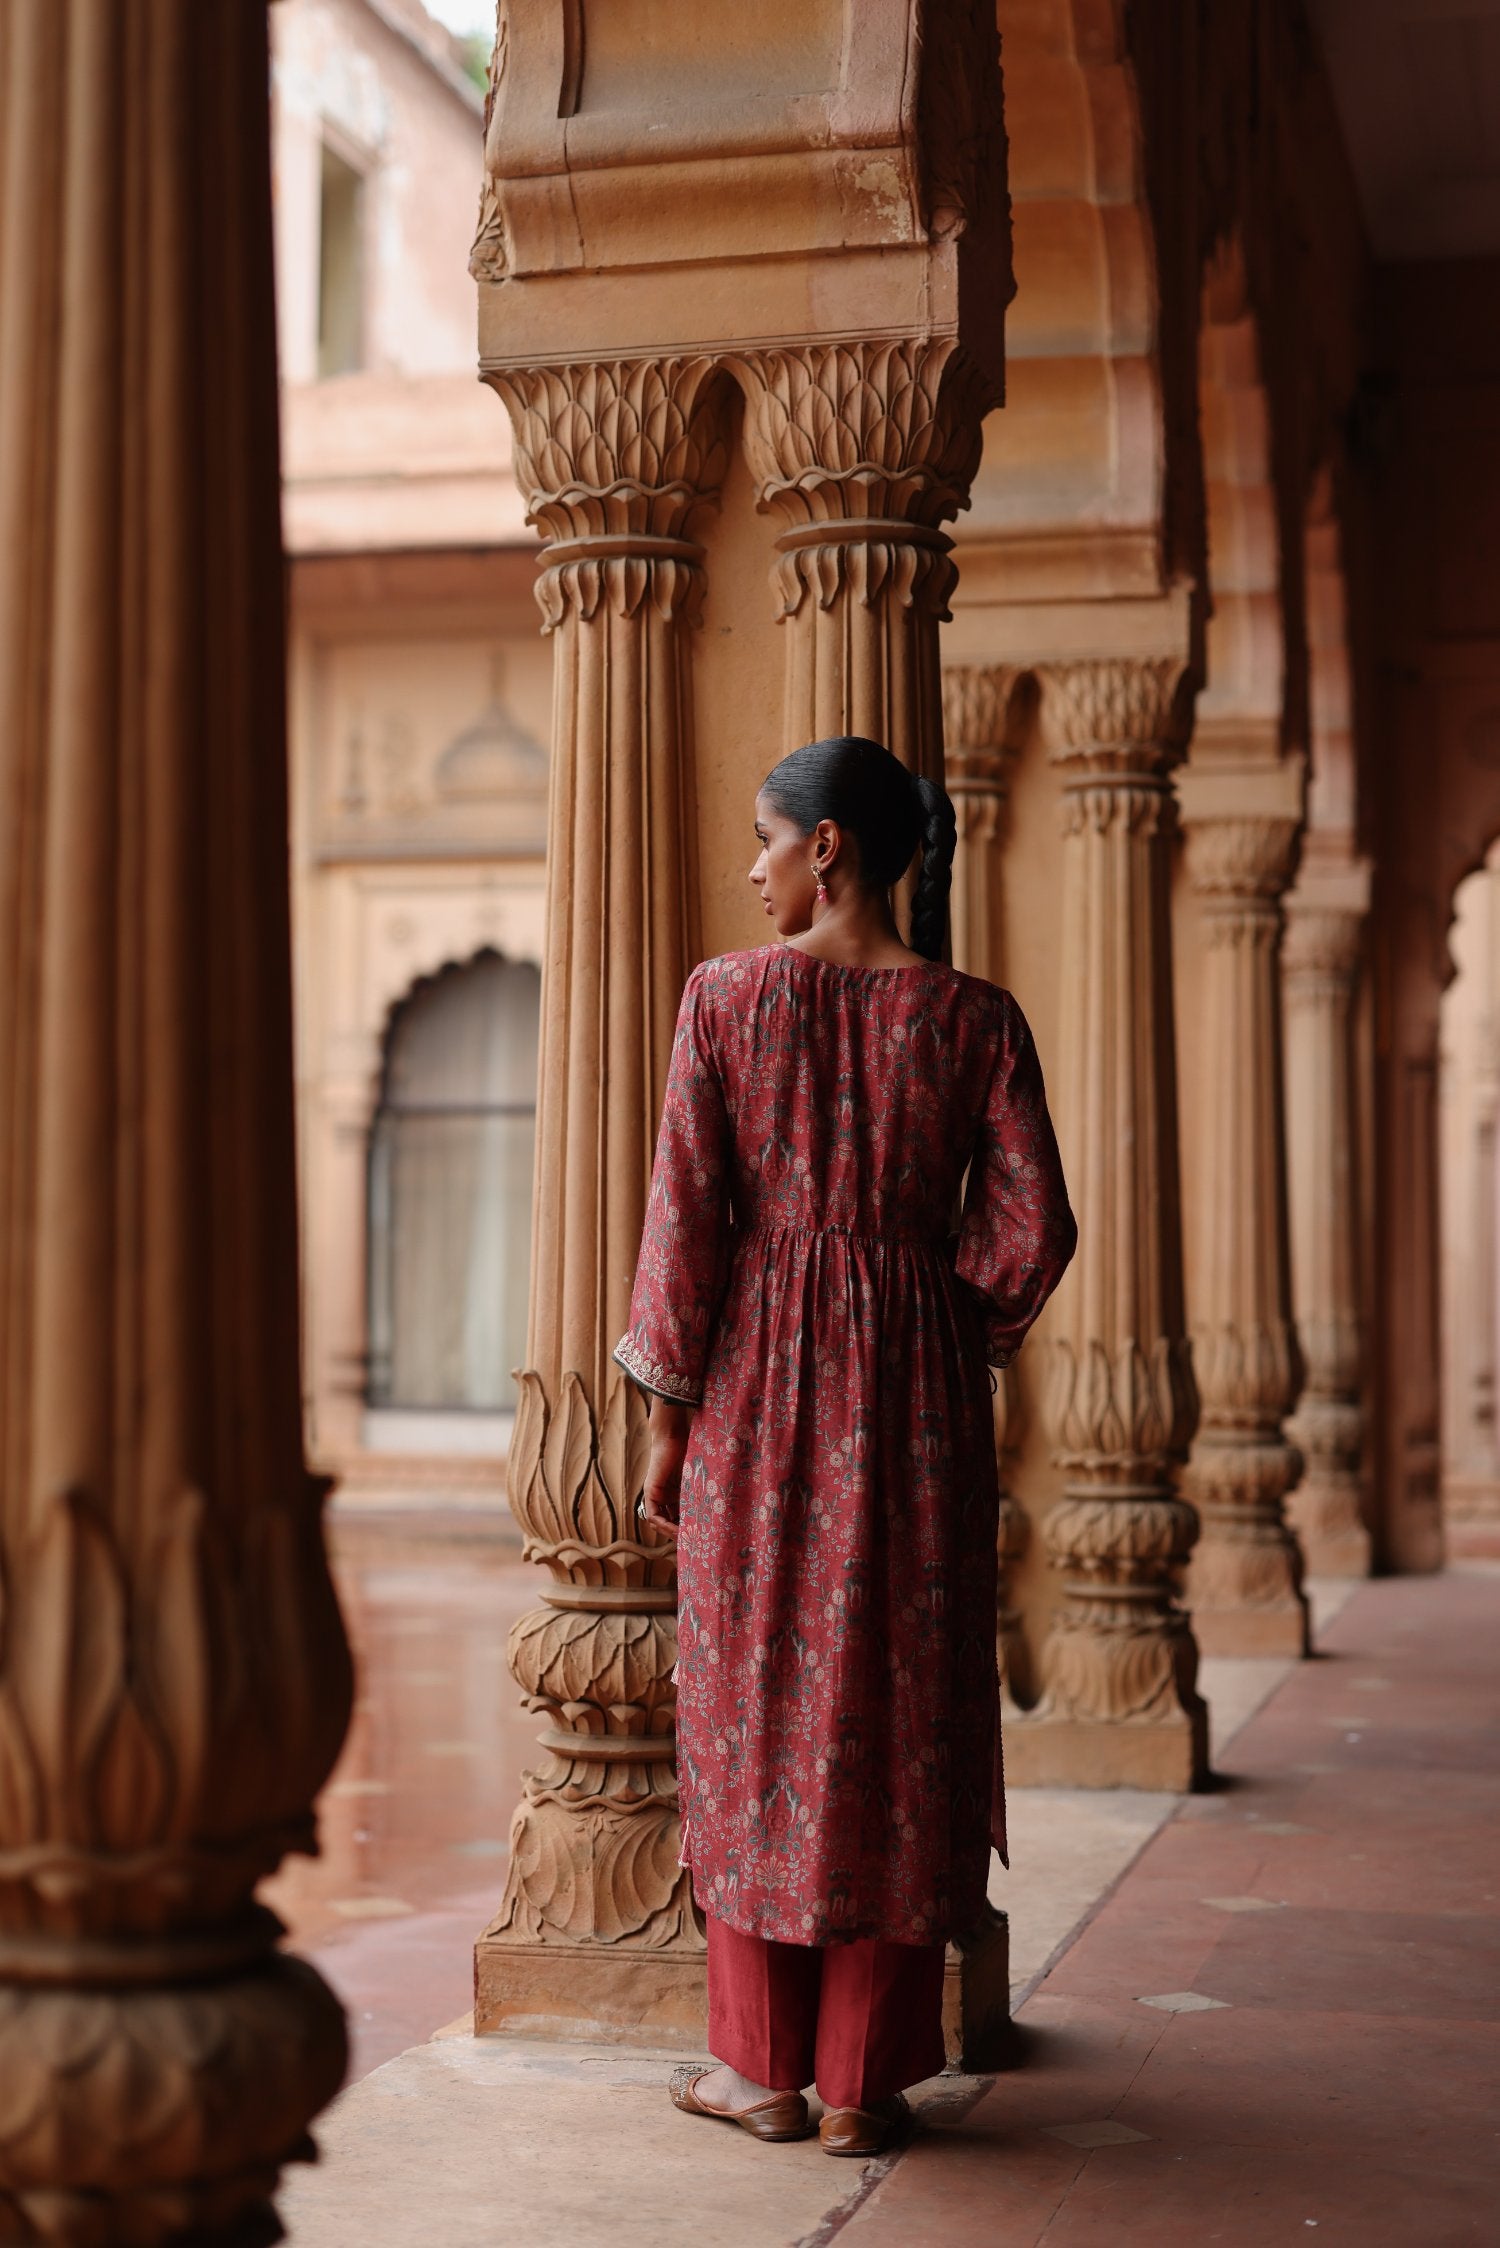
(415, 1818)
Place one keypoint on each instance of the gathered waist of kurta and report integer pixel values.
(931, 1237)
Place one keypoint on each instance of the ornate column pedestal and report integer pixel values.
(1119, 1704)
(1244, 1585)
(1321, 954)
(597, 1933)
(978, 705)
(174, 1680)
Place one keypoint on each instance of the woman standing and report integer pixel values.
(816, 1341)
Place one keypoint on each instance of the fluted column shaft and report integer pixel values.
(174, 1681)
(1321, 953)
(1119, 1704)
(614, 460)
(861, 451)
(1245, 1583)
(978, 701)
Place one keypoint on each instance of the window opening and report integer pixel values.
(451, 1155)
(340, 268)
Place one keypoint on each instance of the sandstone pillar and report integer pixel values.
(978, 705)
(823, 222)
(1119, 1704)
(597, 1930)
(174, 1681)
(1321, 954)
(1244, 1586)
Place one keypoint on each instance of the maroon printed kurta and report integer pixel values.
(798, 1280)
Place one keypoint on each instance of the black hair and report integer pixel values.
(888, 809)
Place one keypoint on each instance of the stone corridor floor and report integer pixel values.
(1271, 2012)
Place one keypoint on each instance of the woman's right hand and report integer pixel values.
(669, 1426)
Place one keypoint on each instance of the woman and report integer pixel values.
(816, 1343)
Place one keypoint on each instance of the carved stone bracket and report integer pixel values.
(1118, 1669)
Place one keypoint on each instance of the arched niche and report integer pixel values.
(451, 1157)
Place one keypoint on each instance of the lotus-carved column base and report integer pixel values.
(138, 2117)
(1327, 1508)
(597, 1935)
(1244, 1587)
(1121, 1706)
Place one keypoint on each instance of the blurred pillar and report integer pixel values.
(1321, 955)
(174, 1680)
(1119, 1704)
(1244, 1586)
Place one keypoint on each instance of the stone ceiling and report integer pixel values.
(1418, 89)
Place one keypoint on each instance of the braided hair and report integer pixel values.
(889, 810)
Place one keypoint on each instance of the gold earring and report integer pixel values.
(822, 889)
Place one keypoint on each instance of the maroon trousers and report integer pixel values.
(860, 2020)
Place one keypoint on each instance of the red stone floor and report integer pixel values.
(415, 1818)
(1328, 1927)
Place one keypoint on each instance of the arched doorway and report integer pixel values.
(450, 1183)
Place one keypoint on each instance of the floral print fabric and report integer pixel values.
(801, 1281)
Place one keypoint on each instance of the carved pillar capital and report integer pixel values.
(1238, 862)
(861, 450)
(615, 457)
(1321, 950)
(979, 718)
(1122, 715)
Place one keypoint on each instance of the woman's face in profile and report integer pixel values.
(783, 872)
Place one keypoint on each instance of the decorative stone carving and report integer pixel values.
(174, 1680)
(1244, 1586)
(597, 1663)
(489, 259)
(614, 459)
(1119, 1702)
(1321, 954)
(862, 450)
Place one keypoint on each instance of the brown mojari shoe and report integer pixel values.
(853, 2130)
(782, 2116)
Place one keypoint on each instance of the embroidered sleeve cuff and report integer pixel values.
(660, 1380)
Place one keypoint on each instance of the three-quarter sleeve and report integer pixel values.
(684, 1255)
(1017, 1232)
